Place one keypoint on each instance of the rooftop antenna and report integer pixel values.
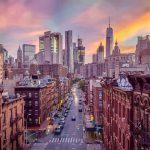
(78, 36)
(109, 21)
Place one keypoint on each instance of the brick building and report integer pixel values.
(140, 124)
(54, 70)
(40, 99)
(116, 116)
(126, 110)
(11, 123)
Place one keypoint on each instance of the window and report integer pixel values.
(119, 135)
(119, 110)
(36, 103)
(10, 116)
(128, 115)
(30, 95)
(22, 108)
(30, 103)
(123, 111)
(30, 119)
(123, 141)
(128, 145)
(36, 121)
(4, 118)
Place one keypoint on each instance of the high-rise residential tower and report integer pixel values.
(109, 40)
(51, 44)
(69, 51)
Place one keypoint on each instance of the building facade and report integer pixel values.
(11, 123)
(109, 41)
(39, 101)
(51, 44)
(55, 70)
(28, 54)
(116, 116)
(100, 54)
(69, 51)
(140, 125)
(19, 58)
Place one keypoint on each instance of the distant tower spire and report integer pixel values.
(109, 21)
(78, 36)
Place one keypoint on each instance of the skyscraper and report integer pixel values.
(19, 58)
(109, 40)
(69, 51)
(100, 54)
(81, 52)
(28, 54)
(51, 44)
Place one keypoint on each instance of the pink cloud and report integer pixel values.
(17, 15)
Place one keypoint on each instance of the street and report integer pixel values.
(71, 137)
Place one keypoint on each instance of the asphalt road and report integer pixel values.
(71, 137)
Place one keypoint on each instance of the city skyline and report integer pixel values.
(19, 28)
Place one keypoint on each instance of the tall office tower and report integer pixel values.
(94, 58)
(51, 44)
(28, 54)
(100, 54)
(5, 54)
(75, 56)
(69, 51)
(109, 40)
(19, 58)
(81, 52)
(64, 57)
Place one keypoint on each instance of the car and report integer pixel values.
(65, 115)
(80, 103)
(62, 119)
(66, 111)
(56, 115)
(61, 123)
(58, 130)
(80, 110)
(73, 118)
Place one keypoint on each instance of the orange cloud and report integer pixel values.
(129, 30)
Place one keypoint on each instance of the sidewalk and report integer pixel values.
(43, 127)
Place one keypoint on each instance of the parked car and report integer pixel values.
(80, 110)
(65, 115)
(61, 123)
(58, 130)
(80, 102)
(62, 119)
(73, 118)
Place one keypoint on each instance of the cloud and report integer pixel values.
(22, 21)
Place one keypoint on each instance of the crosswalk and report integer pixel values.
(39, 146)
(66, 140)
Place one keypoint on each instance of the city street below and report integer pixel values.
(71, 136)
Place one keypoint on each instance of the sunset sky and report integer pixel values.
(22, 21)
